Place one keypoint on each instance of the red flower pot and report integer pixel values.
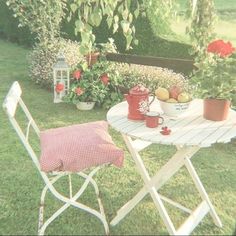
(216, 109)
(92, 58)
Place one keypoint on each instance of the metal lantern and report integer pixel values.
(61, 78)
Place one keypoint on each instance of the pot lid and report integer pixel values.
(139, 90)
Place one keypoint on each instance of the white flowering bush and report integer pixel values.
(151, 77)
(43, 57)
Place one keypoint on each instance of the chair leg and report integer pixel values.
(100, 216)
(41, 208)
(93, 182)
(72, 202)
(52, 218)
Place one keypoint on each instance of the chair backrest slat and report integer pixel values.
(27, 130)
(12, 99)
(10, 104)
(25, 142)
(29, 116)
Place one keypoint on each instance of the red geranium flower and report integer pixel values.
(77, 74)
(221, 48)
(59, 87)
(79, 91)
(105, 79)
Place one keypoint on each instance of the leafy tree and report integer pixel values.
(42, 17)
(117, 13)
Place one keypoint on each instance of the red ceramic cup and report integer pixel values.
(153, 119)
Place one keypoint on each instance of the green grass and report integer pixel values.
(20, 184)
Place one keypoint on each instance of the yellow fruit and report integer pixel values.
(184, 97)
(172, 100)
(162, 94)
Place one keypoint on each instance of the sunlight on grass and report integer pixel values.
(224, 30)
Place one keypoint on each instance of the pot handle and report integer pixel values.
(152, 99)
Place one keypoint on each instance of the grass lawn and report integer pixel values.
(20, 185)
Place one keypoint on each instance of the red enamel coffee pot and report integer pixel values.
(138, 100)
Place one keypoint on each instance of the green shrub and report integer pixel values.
(43, 57)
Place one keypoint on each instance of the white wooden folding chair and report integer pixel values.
(10, 104)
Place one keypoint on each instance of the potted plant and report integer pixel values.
(96, 84)
(94, 51)
(214, 80)
(87, 88)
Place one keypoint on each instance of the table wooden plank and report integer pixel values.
(220, 131)
(177, 130)
(189, 129)
(230, 134)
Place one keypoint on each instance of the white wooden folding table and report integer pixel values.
(189, 133)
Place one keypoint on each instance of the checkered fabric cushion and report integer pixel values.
(75, 148)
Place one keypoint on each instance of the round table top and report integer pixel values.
(188, 129)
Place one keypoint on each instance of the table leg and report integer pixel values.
(151, 189)
(158, 180)
(181, 158)
(202, 191)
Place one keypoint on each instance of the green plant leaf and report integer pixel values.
(79, 25)
(125, 26)
(109, 22)
(73, 7)
(136, 41)
(98, 18)
(136, 12)
(125, 14)
(116, 19)
(115, 27)
(85, 36)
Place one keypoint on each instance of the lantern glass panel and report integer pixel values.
(58, 74)
(64, 74)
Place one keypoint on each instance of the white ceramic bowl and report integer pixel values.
(174, 109)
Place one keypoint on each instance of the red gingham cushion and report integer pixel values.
(78, 147)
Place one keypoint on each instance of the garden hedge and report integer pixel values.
(9, 27)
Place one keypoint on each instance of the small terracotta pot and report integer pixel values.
(216, 109)
(92, 58)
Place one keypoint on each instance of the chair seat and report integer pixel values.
(78, 147)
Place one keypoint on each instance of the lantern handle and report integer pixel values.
(61, 55)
